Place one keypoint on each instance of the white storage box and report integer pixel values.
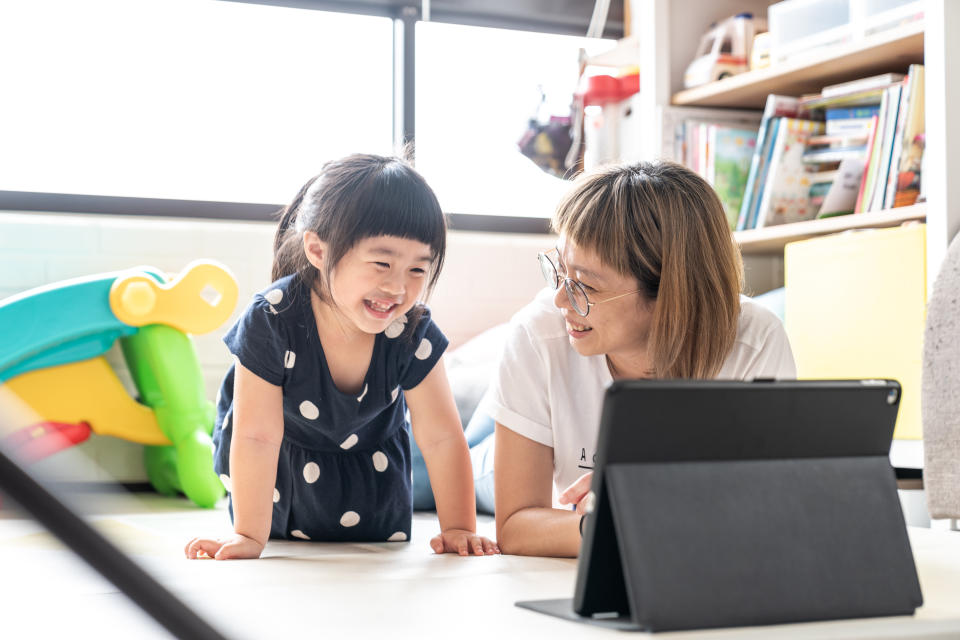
(800, 25)
(796, 26)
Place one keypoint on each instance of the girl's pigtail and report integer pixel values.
(286, 245)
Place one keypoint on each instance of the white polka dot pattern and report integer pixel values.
(309, 410)
(394, 329)
(397, 536)
(424, 350)
(274, 296)
(288, 359)
(360, 399)
(394, 394)
(311, 472)
(226, 421)
(380, 461)
(351, 440)
(296, 533)
(225, 479)
(350, 519)
(276, 495)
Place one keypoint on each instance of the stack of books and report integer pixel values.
(885, 112)
(854, 147)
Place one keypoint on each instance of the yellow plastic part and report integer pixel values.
(88, 391)
(197, 301)
(856, 308)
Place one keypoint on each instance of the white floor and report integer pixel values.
(303, 590)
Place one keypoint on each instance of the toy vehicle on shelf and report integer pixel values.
(724, 50)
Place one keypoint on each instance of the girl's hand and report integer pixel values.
(575, 493)
(233, 547)
(463, 542)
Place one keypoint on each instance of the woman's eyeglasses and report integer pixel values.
(575, 291)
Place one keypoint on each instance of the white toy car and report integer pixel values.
(724, 50)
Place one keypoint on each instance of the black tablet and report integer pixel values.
(725, 503)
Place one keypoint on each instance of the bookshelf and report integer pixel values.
(669, 33)
(771, 240)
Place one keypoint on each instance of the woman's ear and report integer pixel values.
(315, 249)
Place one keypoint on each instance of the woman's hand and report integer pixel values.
(233, 547)
(575, 493)
(463, 542)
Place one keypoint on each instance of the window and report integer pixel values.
(187, 99)
(476, 88)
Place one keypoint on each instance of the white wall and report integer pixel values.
(487, 277)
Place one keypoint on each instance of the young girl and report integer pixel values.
(311, 438)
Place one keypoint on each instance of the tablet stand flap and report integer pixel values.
(747, 542)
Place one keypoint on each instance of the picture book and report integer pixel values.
(786, 191)
(776, 106)
(731, 151)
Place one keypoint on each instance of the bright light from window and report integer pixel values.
(476, 90)
(186, 99)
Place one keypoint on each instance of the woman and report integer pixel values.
(644, 282)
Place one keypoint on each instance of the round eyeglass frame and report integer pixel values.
(575, 291)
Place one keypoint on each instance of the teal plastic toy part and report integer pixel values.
(167, 374)
(59, 324)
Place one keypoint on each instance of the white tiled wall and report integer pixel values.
(486, 278)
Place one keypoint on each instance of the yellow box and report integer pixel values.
(856, 307)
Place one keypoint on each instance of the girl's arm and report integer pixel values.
(527, 523)
(257, 424)
(436, 427)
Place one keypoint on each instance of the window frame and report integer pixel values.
(524, 15)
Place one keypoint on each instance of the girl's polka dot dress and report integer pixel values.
(344, 471)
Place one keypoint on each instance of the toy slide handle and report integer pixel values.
(197, 301)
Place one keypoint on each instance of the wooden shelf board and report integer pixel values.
(771, 240)
(890, 50)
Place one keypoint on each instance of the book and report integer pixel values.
(860, 98)
(910, 162)
(874, 160)
(861, 84)
(775, 106)
(886, 148)
(858, 207)
(841, 198)
(786, 191)
(757, 191)
(825, 155)
(847, 113)
(847, 127)
(890, 185)
(731, 151)
(838, 141)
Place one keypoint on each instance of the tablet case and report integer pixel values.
(734, 503)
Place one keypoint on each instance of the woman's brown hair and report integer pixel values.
(664, 225)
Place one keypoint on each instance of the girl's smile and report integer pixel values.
(379, 308)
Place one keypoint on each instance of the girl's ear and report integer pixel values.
(315, 249)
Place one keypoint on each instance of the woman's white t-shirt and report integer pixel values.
(546, 391)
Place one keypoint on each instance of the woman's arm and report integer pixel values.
(527, 523)
(257, 424)
(436, 427)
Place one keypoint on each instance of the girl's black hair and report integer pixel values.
(357, 197)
